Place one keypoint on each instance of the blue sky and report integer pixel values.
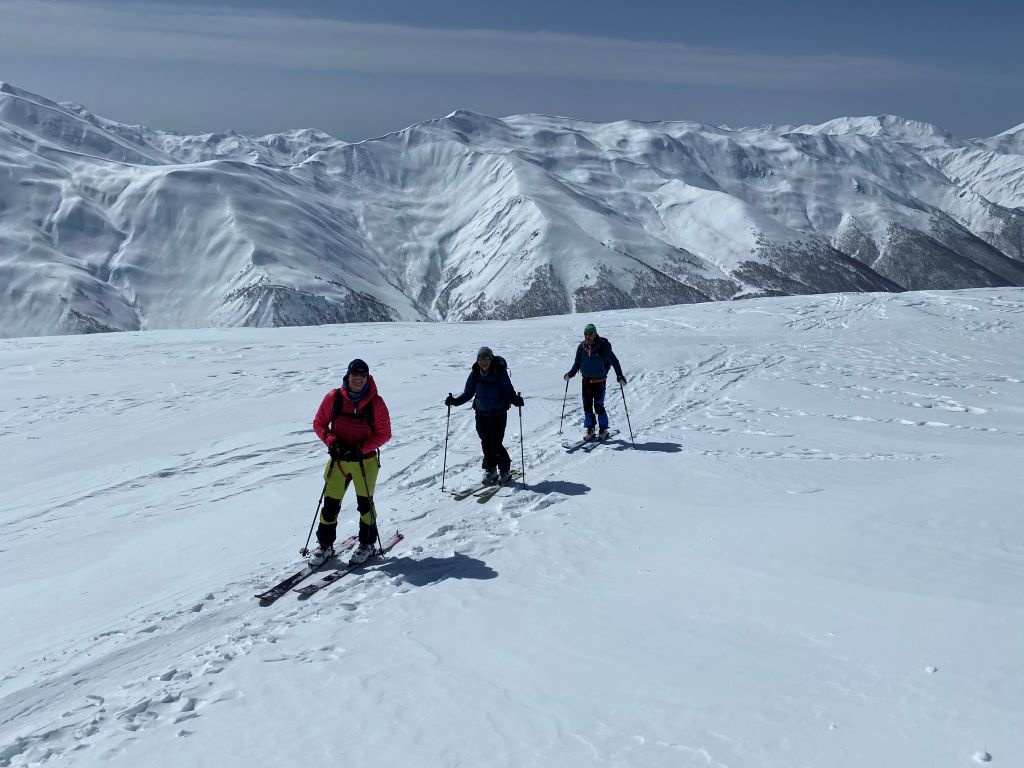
(358, 70)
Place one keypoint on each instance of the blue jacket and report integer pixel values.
(595, 358)
(492, 392)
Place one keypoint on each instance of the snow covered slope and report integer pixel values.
(812, 557)
(105, 226)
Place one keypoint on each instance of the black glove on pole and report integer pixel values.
(304, 552)
(447, 426)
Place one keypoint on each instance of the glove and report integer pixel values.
(340, 452)
(622, 379)
(517, 400)
(449, 401)
(352, 454)
(567, 376)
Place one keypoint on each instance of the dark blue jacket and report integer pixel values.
(594, 358)
(492, 392)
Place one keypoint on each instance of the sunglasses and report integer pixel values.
(483, 359)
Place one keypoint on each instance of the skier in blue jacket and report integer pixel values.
(492, 392)
(594, 358)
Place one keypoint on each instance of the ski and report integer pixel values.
(572, 445)
(586, 443)
(482, 497)
(270, 595)
(592, 444)
(464, 493)
(333, 576)
(481, 488)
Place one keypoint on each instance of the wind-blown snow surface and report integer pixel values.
(105, 226)
(812, 557)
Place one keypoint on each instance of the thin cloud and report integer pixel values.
(164, 33)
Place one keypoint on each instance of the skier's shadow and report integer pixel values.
(624, 445)
(563, 487)
(431, 570)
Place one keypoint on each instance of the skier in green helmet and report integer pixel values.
(594, 358)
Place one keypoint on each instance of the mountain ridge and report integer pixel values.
(105, 226)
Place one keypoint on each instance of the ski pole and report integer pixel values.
(447, 426)
(563, 406)
(304, 552)
(623, 391)
(522, 450)
(373, 507)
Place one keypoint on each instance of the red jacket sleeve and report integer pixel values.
(322, 420)
(381, 426)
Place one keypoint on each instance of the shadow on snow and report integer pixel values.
(563, 487)
(624, 445)
(431, 570)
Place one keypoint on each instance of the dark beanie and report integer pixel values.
(358, 366)
(485, 352)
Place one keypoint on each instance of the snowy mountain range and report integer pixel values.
(105, 226)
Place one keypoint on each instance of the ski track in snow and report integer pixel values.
(94, 695)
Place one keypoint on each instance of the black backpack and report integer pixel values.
(498, 364)
(605, 343)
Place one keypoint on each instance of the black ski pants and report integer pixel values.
(491, 429)
(593, 400)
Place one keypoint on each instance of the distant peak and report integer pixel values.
(466, 113)
(463, 121)
(887, 126)
(466, 118)
(1015, 131)
(13, 90)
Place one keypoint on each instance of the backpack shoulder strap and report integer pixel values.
(336, 406)
(366, 413)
